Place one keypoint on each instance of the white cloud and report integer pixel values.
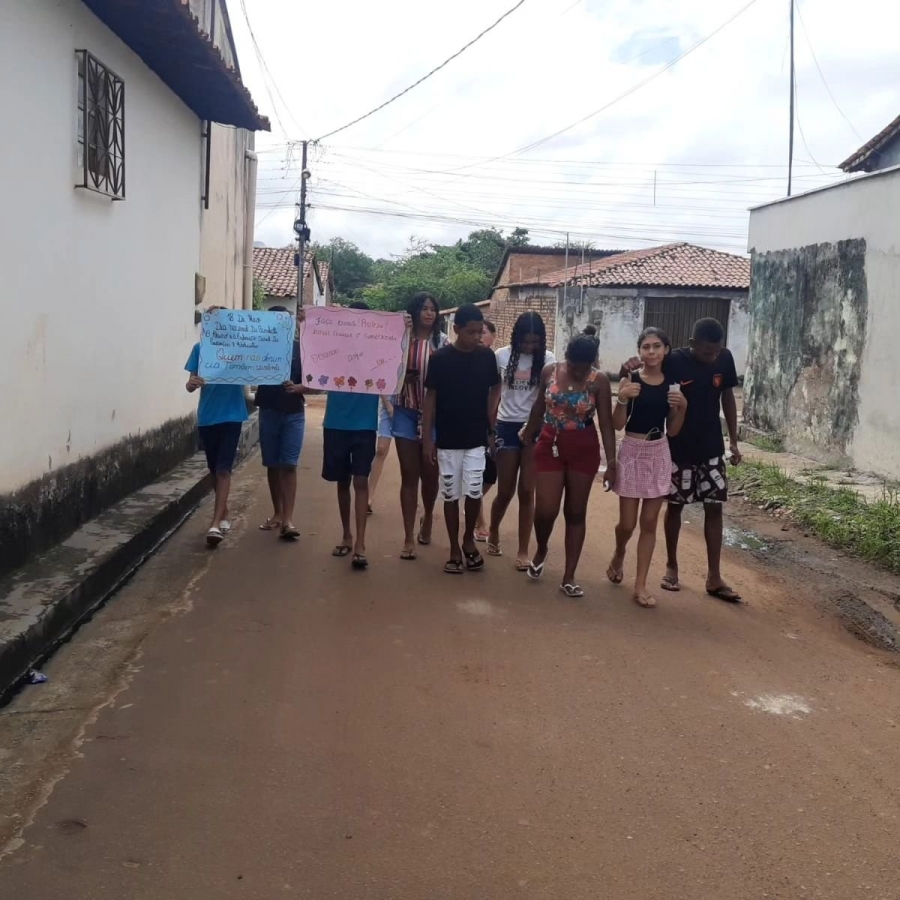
(713, 128)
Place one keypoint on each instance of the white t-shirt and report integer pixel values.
(516, 401)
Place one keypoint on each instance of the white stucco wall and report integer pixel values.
(865, 207)
(97, 297)
(739, 333)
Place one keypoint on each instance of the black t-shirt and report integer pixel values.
(648, 412)
(462, 382)
(700, 438)
(274, 396)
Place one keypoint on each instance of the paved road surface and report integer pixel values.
(261, 722)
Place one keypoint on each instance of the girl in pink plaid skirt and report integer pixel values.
(648, 409)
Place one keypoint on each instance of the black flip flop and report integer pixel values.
(474, 561)
(359, 561)
(408, 555)
(341, 550)
(726, 594)
(453, 567)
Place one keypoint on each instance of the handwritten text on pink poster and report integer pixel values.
(357, 350)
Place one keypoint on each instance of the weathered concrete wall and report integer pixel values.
(858, 218)
(808, 335)
(739, 331)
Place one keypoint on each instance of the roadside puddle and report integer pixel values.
(741, 539)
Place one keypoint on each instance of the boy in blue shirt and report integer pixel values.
(350, 429)
(220, 414)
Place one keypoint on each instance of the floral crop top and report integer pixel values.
(569, 410)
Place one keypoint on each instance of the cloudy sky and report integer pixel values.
(710, 130)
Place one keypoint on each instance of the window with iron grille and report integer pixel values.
(101, 127)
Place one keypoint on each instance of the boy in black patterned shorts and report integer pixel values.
(706, 373)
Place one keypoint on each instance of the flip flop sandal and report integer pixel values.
(214, 537)
(408, 555)
(369, 510)
(645, 601)
(729, 595)
(474, 561)
(270, 525)
(341, 550)
(670, 584)
(493, 549)
(419, 537)
(572, 590)
(453, 567)
(522, 566)
(535, 571)
(290, 533)
(481, 537)
(224, 526)
(614, 576)
(359, 561)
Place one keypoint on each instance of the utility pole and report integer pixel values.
(300, 227)
(566, 282)
(793, 91)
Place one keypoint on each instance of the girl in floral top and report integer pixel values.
(567, 455)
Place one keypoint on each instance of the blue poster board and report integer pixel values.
(239, 346)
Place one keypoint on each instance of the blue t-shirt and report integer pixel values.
(351, 412)
(218, 402)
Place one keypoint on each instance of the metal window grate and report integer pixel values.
(101, 127)
(676, 315)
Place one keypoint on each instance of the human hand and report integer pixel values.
(629, 390)
(301, 316)
(214, 308)
(609, 476)
(736, 456)
(291, 388)
(430, 450)
(631, 365)
(407, 320)
(194, 382)
(677, 401)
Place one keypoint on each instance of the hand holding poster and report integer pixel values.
(239, 346)
(357, 350)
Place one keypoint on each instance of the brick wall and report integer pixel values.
(508, 305)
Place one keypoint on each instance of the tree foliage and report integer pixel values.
(352, 269)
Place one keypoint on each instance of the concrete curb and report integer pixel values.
(43, 602)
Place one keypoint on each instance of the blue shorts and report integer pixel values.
(220, 444)
(508, 435)
(385, 423)
(406, 424)
(281, 437)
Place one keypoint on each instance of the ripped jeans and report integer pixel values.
(462, 473)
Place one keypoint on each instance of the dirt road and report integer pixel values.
(262, 722)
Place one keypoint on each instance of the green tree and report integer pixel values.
(485, 248)
(352, 269)
(259, 294)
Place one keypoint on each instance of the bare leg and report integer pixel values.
(507, 474)
(548, 499)
(646, 542)
(288, 477)
(481, 526)
(343, 494)
(273, 476)
(526, 501)
(382, 450)
(578, 491)
(222, 487)
(712, 528)
(361, 491)
(472, 509)
(628, 516)
(673, 530)
(430, 483)
(410, 455)
(451, 518)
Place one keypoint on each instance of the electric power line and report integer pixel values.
(450, 59)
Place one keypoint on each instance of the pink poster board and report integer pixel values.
(357, 350)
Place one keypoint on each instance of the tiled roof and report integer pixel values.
(866, 158)
(672, 265)
(324, 271)
(274, 267)
(169, 38)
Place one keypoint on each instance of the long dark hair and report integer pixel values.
(416, 305)
(582, 349)
(527, 323)
(654, 332)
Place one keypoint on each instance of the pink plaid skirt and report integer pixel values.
(644, 469)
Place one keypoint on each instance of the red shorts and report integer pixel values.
(578, 451)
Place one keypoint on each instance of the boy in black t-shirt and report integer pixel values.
(462, 395)
(707, 376)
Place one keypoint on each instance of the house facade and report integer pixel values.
(530, 265)
(823, 370)
(620, 294)
(276, 269)
(133, 206)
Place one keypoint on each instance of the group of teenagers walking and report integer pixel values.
(467, 417)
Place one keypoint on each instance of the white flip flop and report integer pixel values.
(214, 537)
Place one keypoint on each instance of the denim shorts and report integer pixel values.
(385, 423)
(220, 444)
(508, 435)
(406, 424)
(281, 437)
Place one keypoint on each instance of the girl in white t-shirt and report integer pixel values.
(520, 365)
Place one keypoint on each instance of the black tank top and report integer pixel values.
(647, 413)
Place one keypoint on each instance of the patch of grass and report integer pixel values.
(839, 516)
(771, 443)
